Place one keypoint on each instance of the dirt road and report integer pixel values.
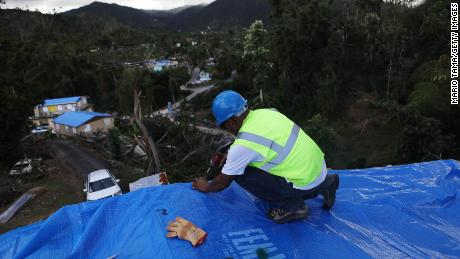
(195, 91)
(79, 159)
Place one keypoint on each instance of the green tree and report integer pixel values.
(13, 117)
(256, 56)
(114, 143)
(124, 89)
(421, 139)
(323, 135)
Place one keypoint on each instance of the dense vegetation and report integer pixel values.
(367, 79)
(361, 62)
(50, 56)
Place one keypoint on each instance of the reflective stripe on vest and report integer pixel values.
(286, 149)
(283, 152)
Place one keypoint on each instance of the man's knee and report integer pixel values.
(262, 184)
(257, 177)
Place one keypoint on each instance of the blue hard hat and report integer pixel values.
(227, 104)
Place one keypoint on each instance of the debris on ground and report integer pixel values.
(149, 181)
(139, 152)
(21, 202)
(52, 173)
(27, 166)
(184, 149)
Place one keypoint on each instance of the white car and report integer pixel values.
(40, 129)
(24, 166)
(101, 184)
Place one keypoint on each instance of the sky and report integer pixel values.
(47, 6)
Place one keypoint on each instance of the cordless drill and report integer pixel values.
(217, 160)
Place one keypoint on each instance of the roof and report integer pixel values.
(395, 211)
(76, 119)
(163, 62)
(61, 100)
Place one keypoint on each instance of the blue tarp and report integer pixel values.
(76, 119)
(387, 212)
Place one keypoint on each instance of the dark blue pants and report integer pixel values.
(274, 189)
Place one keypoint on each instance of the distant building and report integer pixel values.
(204, 77)
(44, 113)
(154, 65)
(210, 62)
(83, 123)
(160, 65)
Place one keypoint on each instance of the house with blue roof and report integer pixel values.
(45, 112)
(82, 123)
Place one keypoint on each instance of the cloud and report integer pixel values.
(47, 6)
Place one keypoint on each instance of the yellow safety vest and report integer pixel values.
(288, 152)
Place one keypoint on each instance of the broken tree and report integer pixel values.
(154, 166)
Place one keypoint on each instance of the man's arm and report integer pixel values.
(219, 183)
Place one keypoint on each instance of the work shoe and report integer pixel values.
(328, 190)
(280, 215)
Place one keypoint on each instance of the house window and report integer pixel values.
(88, 128)
(107, 122)
(51, 108)
(74, 130)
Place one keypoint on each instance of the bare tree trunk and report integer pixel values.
(390, 66)
(153, 157)
(261, 95)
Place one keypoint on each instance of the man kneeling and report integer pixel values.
(272, 158)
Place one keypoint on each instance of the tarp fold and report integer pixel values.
(387, 212)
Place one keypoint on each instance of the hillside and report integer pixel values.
(163, 13)
(221, 13)
(125, 15)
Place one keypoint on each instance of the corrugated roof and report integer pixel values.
(62, 100)
(76, 119)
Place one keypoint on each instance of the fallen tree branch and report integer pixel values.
(153, 157)
(187, 156)
(164, 135)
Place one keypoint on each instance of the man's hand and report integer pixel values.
(219, 183)
(200, 184)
